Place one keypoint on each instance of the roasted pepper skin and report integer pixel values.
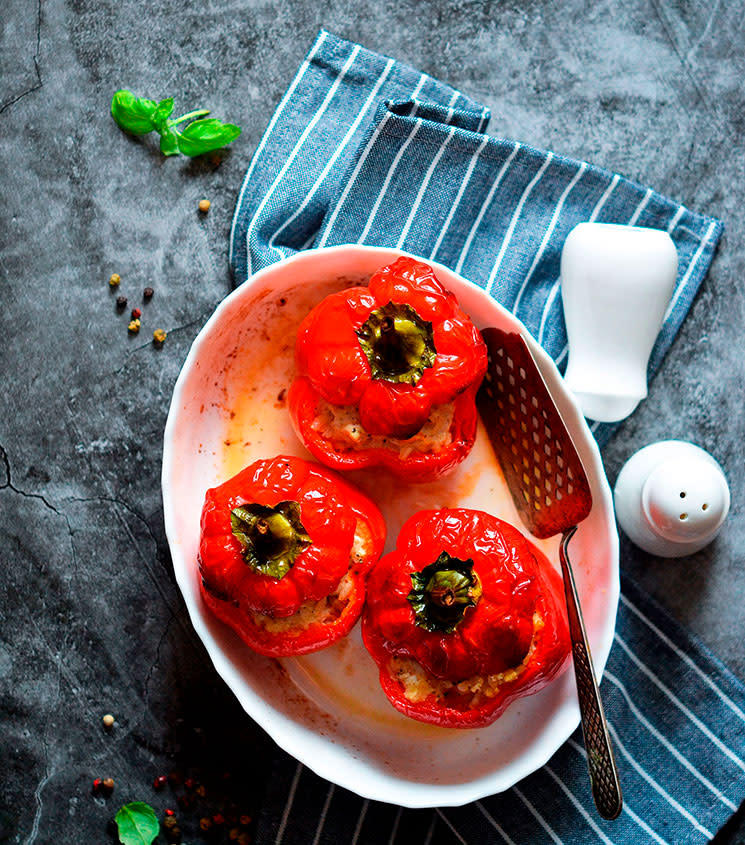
(330, 509)
(517, 581)
(332, 366)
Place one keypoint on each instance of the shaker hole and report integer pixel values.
(704, 507)
(683, 517)
(682, 494)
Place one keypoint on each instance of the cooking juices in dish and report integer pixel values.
(387, 376)
(285, 547)
(463, 617)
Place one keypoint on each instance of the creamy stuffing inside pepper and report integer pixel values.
(420, 684)
(342, 427)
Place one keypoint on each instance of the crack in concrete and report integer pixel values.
(115, 501)
(186, 628)
(703, 95)
(68, 675)
(10, 486)
(156, 660)
(39, 82)
(31, 838)
(130, 352)
(74, 553)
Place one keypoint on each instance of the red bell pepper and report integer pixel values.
(390, 354)
(463, 617)
(284, 551)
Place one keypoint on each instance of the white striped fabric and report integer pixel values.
(547, 237)
(328, 167)
(513, 221)
(483, 209)
(297, 149)
(387, 180)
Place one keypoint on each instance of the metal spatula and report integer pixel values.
(551, 492)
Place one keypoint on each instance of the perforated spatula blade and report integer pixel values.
(551, 492)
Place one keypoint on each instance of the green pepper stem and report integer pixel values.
(271, 537)
(442, 592)
(398, 344)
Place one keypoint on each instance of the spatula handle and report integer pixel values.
(606, 787)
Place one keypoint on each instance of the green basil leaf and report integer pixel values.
(137, 824)
(133, 114)
(203, 136)
(168, 142)
(162, 112)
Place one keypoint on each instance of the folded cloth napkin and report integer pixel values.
(364, 149)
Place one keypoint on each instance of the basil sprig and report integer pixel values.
(137, 824)
(139, 116)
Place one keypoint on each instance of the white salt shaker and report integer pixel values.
(671, 498)
(616, 283)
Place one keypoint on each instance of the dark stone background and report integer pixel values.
(90, 617)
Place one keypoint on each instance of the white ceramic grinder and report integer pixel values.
(671, 498)
(616, 284)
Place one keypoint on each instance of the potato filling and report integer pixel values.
(341, 426)
(419, 684)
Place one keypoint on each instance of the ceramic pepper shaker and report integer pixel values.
(671, 498)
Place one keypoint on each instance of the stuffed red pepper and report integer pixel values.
(284, 552)
(387, 376)
(463, 617)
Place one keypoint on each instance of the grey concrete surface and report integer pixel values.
(90, 618)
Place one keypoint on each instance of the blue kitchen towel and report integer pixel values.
(364, 149)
